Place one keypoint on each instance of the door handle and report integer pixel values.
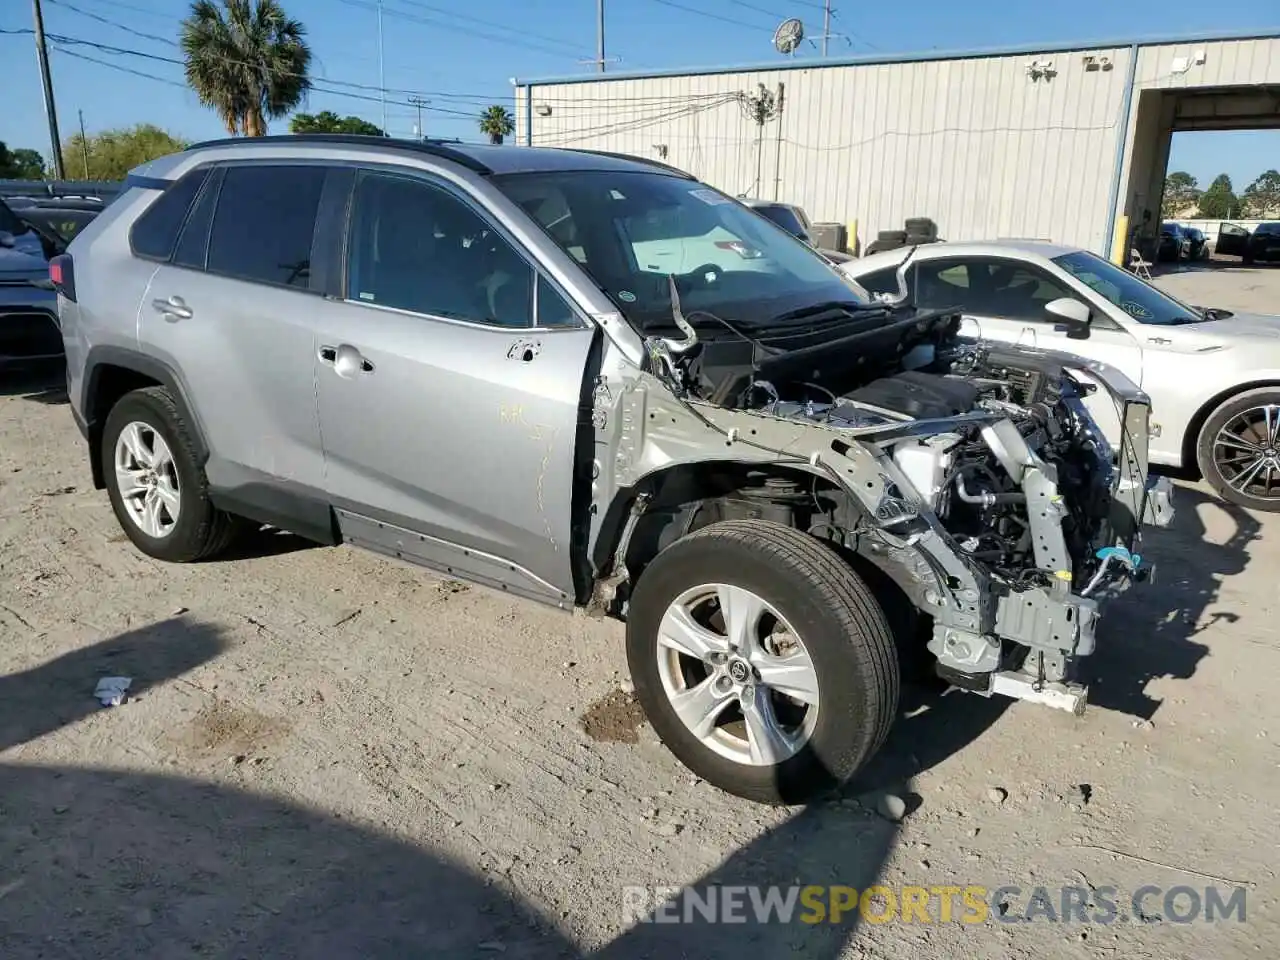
(346, 360)
(1159, 340)
(173, 307)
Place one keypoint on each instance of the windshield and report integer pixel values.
(9, 222)
(63, 224)
(1267, 229)
(630, 230)
(1141, 301)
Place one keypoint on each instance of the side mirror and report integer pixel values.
(6, 238)
(1073, 314)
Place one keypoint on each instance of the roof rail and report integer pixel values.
(634, 159)
(435, 148)
(54, 189)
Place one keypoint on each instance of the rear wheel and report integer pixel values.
(762, 660)
(156, 483)
(1239, 449)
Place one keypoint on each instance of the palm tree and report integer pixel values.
(247, 60)
(497, 122)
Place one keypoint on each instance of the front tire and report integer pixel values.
(157, 485)
(762, 660)
(1238, 450)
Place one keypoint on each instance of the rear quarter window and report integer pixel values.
(155, 233)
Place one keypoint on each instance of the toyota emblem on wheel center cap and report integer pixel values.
(739, 671)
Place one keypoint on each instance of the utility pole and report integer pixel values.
(51, 111)
(419, 102)
(382, 72)
(600, 35)
(826, 25)
(84, 145)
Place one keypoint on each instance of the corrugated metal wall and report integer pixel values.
(1229, 65)
(975, 143)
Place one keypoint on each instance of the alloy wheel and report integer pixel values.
(1246, 452)
(737, 675)
(147, 479)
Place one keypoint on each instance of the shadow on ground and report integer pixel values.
(59, 692)
(43, 381)
(111, 863)
(258, 542)
(1150, 631)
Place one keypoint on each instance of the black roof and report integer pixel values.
(484, 159)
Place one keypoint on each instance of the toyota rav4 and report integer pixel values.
(453, 355)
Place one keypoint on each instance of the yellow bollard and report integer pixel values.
(1120, 242)
(851, 243)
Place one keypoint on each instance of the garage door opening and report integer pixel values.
(1222, 141)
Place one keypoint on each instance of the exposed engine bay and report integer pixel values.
(1003, 512)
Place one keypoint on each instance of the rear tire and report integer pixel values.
(1224, 455)
(827, 608)
(199, 530)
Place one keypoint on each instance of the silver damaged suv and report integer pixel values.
(595, 382)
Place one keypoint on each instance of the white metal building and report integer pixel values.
(1054, 142)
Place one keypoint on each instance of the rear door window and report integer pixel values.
(155, 233)
(265, 222)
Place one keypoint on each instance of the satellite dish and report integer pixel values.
(788, 36)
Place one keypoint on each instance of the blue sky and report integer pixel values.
(460, 55)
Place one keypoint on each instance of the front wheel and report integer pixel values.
(1239, 449)
(762, 660)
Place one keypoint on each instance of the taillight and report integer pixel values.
(63, 276)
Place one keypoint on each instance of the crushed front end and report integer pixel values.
(1020, 519)
(972, 475)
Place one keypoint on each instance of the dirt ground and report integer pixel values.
(326, 754)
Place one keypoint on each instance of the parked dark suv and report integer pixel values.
(1262, 245)
(1174, 244)
(37, 222)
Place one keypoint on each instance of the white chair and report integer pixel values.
(1139, 265)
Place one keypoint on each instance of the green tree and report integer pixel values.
(247, 60)
(1219, 202)
(1180, 192)
(111, 154)
(496, 122)
(1262, 197)
(20, 164)
(326, 121)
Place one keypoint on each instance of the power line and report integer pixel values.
(752, 6)
(709, 16)
(488, 23)
(562, 137)
(112, 23)
(136, 9)
(484, 99)
(115, 66)
(428, 21)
